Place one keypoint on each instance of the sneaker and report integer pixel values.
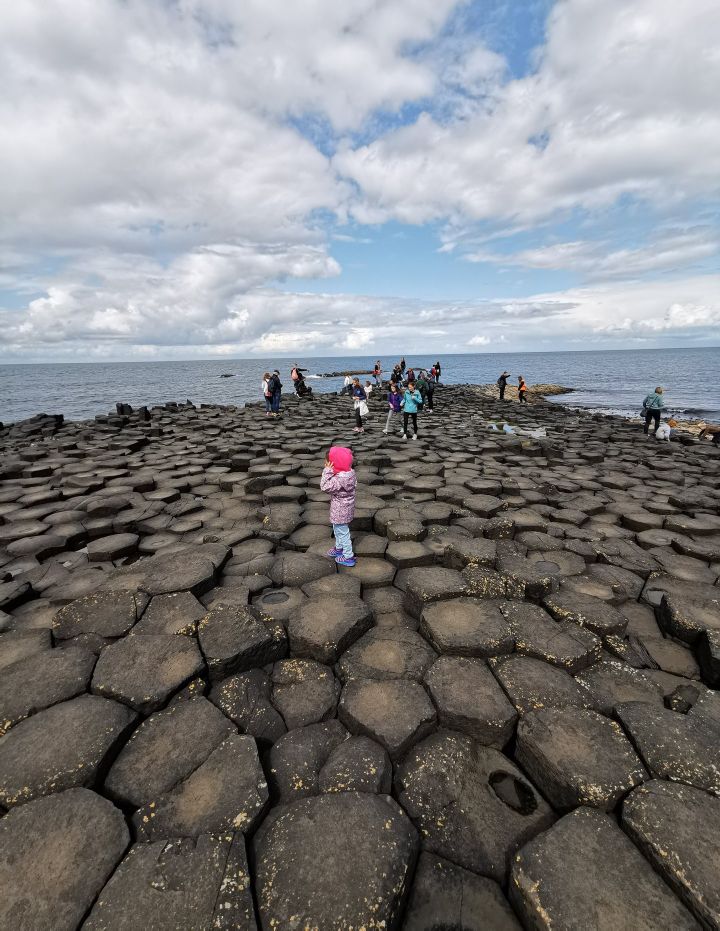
(386, 432)
(334, 553)
(404, 436)
(415, 437)
(342, 561)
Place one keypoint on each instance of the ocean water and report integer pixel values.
(609, 381)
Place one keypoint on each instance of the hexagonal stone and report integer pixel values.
(484, 505)
(337, 586)
(707, 649)
(409, 555)
(487, 583)
(87, 836)
(591, 613)
(677, 828)
(297, 569)
(531, 684)
(469, 700)
(182, 883)
(233, 639)
(363, 855)
(60, 748)
(577, 757)
(427, 585)
(394, 712)
(245, 699)
(447, 896)
(386, 653)
(165, 749)
(358, 764)
(296, 759)
(107, 614)
(405, 530)
(279, 604)
(687, 619)
(326, 626)
(174, 613)
(304, 691)
(467, 627)
(470, 552)
(165, 572)
(611, 683)
(674, 746)
(19, 644)
(585, 873)
(560, 643)
(470, 803)
(227, 792)
(41, 680)
(112, 547)
(371, 573)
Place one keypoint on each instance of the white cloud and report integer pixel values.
(479, 341)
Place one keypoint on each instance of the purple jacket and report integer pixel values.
(341, 488)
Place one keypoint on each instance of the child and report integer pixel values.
(339, 480)
(267, 394)
(360, 404)
(394, 402)
(412, 399)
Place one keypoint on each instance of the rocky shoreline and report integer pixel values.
(505, 715)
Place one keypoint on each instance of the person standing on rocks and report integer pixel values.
(502, 384)
(438, 372)
(402, 366)
(430, 393)
(340, 481)
(652, 405)
(275, 388)
(411, 400)
(267, 394)
(360, 404)
(347, 385)
(377, 372)
(522, 390)
(394, 402)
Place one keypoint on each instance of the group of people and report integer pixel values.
(407, 395)
(271, 388)
(522, 387)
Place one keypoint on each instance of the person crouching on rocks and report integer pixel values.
(394, 402)
(652, 405)
(360, 404)
(339, 481)
(411, 401)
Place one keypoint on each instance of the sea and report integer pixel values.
(612, 381)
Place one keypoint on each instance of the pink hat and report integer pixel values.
(341, 458)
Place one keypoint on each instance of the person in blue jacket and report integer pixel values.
(410, 403)
(652, 405)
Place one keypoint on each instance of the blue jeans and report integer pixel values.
(268, 403)
(275, 403)
(342, 539)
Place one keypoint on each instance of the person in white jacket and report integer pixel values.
(266, 395)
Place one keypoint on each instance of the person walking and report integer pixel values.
(377, 372)
(340, 481)
(522, 390)
(411, 400)
(275, 388)
(422, 385)
(430, 393)
(652, 405)
(360, 404)
(267, 394)
(502, 384)
(438, 372)
(394, 403)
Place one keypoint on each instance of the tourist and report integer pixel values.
(394, 403)
(402, 366)
(410, 374)
(377, 372)
(275, 388)
(368, 388)
(347, 385)
(410, 402)
(339, 481)
(430, 393)
(421, 385)
(267, 394)
(652, 405)
(360, 404)
(522, 390)
(433, 373)
(438, 372)
(502, 384)
(711, 430)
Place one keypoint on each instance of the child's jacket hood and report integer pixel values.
(341, 458)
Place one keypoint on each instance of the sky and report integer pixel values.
(211, 178)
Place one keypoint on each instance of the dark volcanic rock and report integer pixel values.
(386, 653)
(296, 759)
(143, 671)
(245, 699)
(358, 764)
(470, 803)
(304, 691)
(531, 684)
(363, 855)
(175, 613)
(199, 882)
(234, 639)
(585, 873)
(426, 585)
(467, 627)
(325, 627)
(298, 569)
(677, 828)
(561, 643)
(108, 614)
(591, 613)
(55, 855)
(19, 644)
(60, 748)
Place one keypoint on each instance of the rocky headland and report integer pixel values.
(505, 715)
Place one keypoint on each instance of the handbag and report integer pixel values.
(363, 409)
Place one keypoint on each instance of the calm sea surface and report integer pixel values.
(613, 382)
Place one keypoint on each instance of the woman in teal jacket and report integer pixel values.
(412, 399)
(652, 405)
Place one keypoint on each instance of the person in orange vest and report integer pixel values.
(522, 390)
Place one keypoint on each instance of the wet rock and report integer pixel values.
(677, 827)
(296, 759)
(107, 614)
(585, 873)
(327, 626)
(470, 803)
(144, 670)
(386, 653)
(47, 891)
(363, 855)
(41, 680)
(531, 684)
(358, 764)
(245, 699)
(561, 643)
(674, 746)
(174, 613)
(469, 700)
(577, 757)
(304, 691)
(233, 639)
(591, 613)
(394, 712)
(166, 749)
(467, 627)
(227, 792)
(60, 748)
(447, 896)
(181, 883)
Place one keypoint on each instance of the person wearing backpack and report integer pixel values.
(652, 405)
(502, 384)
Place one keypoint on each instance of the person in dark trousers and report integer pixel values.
(522, 390)
(402, 365)
(411, 401)
(438, 372)
(360, 404)
(377, 372)
(275, 387)
(652, 405)
(430, 393)
(502, 384)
